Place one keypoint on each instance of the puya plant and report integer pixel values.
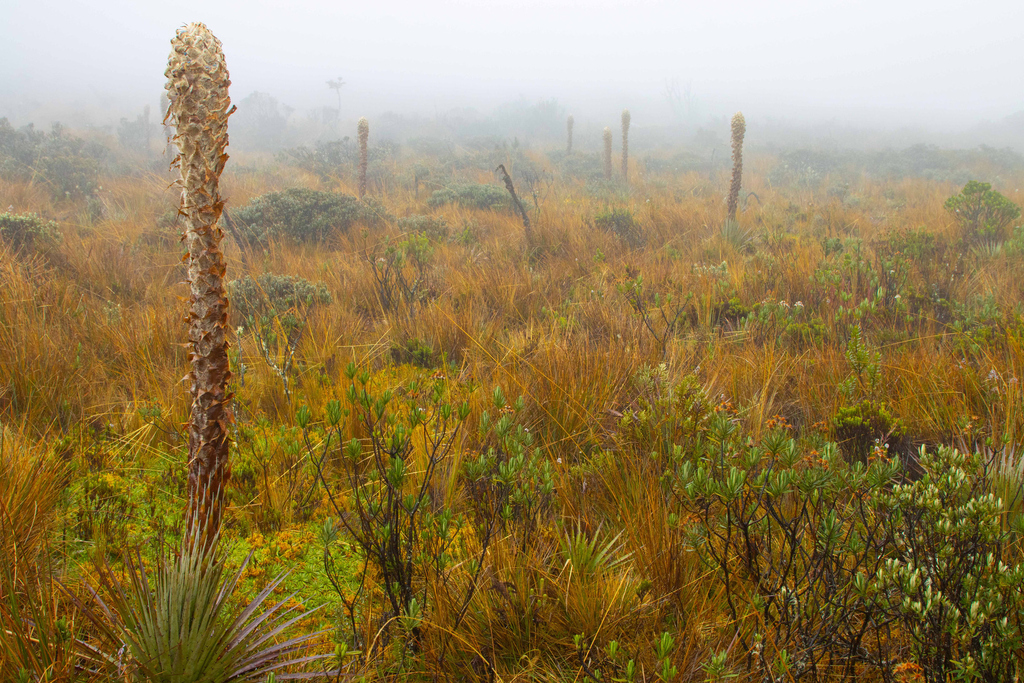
(739, 128)
(607, 136)
(363, 131)
(174, 623)
(199, 107)
(626, 145)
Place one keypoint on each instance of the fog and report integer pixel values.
(863, 73)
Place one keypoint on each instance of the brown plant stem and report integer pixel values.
(515, 200)
(199, 107)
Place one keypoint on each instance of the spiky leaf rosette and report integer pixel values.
(363, 129)
(625, 144)
(198, 107)
(739, 127)
(607, 153)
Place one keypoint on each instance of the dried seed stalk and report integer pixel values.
(607, 153)
(199, 107)
(363, 129)
(739, 127)
(625, 145)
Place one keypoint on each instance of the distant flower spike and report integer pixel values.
(739, 128)
(363, 130)
(607, 153)
(625, 145)
(568, 124)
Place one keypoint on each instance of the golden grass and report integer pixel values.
(92, 331)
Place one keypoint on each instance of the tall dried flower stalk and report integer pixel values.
(625, 145)
(568, 125)
(739, 127)
(363, 129)
(607, 153)
(199, 107)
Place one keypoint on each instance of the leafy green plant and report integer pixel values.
(510, 478)
(415, 351)
(957, 598)
(982, 213)
(400, 271)
(795, 540)
(269, 295)
(434, 227)
(666, 412)
(388, 508)
(621, 222)
(274, 309)
(859, 427)
(660, 312)
(27, 231)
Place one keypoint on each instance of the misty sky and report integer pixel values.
(941, 62)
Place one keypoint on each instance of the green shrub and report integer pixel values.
(274, 308)
(270, 295)
(27, 231)
(957, 599)
(1015, 245)
(621, 222)
(791, 533)
(337, 158)
(69, 165)
(434, 227)
(982, 213)
(859, 427)
(471, 196)
(302, 215)
(828, 566)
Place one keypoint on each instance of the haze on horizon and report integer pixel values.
(940, 66)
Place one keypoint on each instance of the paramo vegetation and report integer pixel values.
(657, 420)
